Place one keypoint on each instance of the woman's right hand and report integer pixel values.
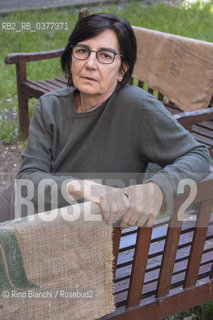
(114, 202)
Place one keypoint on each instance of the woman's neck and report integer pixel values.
(85, 102)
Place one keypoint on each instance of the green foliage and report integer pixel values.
(202, 312)
(195, 21)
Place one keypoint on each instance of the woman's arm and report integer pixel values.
(35, 179)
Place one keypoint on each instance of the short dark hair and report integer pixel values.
(92, 26)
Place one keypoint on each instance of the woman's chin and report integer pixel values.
(88, 90)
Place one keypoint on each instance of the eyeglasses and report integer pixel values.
(104, 56)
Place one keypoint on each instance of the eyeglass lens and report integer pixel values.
(103, 56)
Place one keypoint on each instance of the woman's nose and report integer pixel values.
(91, 61)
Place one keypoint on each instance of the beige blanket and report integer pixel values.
(180, 68)
(57, 269)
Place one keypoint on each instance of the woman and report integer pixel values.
(99, 127)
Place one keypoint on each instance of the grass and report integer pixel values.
(194, 21)
(202, 312)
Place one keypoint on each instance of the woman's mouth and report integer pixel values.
(89, 79)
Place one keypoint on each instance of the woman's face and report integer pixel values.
(92, 77)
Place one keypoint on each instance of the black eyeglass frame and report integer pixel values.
(89, 53)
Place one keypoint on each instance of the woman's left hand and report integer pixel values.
(145, 203)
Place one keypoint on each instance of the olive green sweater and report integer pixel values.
(114, 142)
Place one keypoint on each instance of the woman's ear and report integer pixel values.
(124, 68)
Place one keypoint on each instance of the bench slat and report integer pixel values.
(116, 243)
(207, 124)
(198, 243)
(149, 289)
(203, 139)
(139, 266)
(169, 255)
(203, 131)
(156, 249)
(45, 84)
(33, 90)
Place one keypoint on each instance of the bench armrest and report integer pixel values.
(32, 56)
(190, 118)
(204, 193)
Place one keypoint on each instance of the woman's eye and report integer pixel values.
(105, 55)
(82, 50)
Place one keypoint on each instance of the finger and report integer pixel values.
(151, 220)
(120, 206)
(125, 219)
(105, 208)
(142, 220)
(114, 211)
(134, 219)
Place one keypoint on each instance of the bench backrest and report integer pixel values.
(167, 269)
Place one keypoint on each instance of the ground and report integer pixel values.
(10, 161)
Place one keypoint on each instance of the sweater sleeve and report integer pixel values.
(35, 178)
(165, 142)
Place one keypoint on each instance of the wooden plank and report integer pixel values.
(140, 84)
(150, 90)
(62, 79)
(203, 131)
(198, 243)
(31, 90)
(35, 84)
(169, 255)
(156, 249)
(59, 83)
(172, 110)
(160, 96)
(152, 271)
(181, 267)
(38, 88)
(84, 12)
(116, 243)
(150, 288)
(139, 266)
(56, 84)
(202, 139)
(47, 85)
(22, 99)
(164, 307)
(32, 56)
(207, 124)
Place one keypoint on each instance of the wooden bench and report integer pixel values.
(166, 269)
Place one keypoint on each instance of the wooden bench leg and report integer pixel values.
(23, 116)
(22, 100)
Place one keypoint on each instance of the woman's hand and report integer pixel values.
(114, 202)
(134, 205)
(145, 203)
